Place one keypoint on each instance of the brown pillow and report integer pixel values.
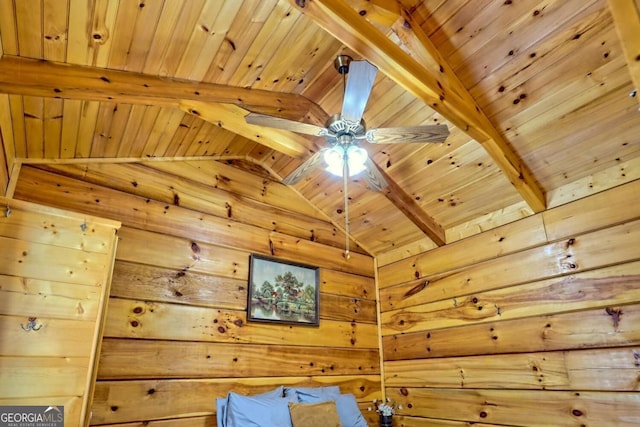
(323, 414)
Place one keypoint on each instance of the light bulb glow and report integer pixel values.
(333, 157)
(356, 157)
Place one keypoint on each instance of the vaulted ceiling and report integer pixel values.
(539, 98)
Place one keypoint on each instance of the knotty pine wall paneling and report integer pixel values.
(534, 323)
(176, 335)
(55, 270)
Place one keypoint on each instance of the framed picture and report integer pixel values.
(282, 291)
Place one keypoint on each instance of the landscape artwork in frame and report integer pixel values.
(282, 291)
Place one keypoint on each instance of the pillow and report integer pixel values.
(346, 404)
(313, 394)
(221, 411)
(258, 411)
(221, 404)
(323, 414)
(349, 412)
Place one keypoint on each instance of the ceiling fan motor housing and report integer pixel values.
(343, 131)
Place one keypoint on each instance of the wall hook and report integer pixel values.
(31, 325)
(7, 213)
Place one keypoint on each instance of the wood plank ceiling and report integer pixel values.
(536, 95)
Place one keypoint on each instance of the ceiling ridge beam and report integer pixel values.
(384, 12)
(447, 95)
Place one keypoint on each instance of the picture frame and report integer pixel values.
(282, 292)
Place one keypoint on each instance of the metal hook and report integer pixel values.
(7, 213)
(31, 325)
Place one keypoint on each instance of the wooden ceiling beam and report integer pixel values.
(408, 206)
(231, 117)
(23, 76)
(224, 106)
(384, 12)
(626, 18)
(441, 90)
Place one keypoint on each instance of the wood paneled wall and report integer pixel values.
(55, 270)
(176, 334)
(534, 323)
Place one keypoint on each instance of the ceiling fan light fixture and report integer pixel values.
(356, 158)
(334, 158)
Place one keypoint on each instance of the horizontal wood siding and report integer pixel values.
(534, 323)
(176, 332)
(55, 269)
(156, 399)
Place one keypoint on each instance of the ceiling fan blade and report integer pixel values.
(359, 84)
(285, 124)
(304, 169)
(372, 176)
(428, 133)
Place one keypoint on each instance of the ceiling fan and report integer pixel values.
(344, 157)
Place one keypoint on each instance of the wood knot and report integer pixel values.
(417, 288)
(615, 315)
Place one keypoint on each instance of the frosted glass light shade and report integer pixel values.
(333, 157)
(356, 158)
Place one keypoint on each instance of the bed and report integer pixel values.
(291, 407)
